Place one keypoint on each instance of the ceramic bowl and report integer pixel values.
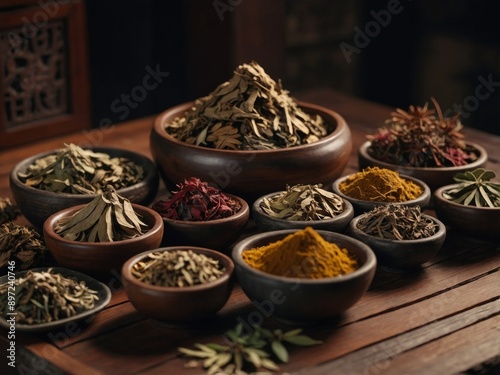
(299, 301)
(361, 206)
(100, 258)
(266, 222)
(250, 174)
(434, 177)
(216, 234)
(37, 205)
(174, 304)
(470, 220)
(405, 256)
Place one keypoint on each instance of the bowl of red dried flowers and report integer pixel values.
(424, 144)
(198, 214)
(471, 205)
(250, 138)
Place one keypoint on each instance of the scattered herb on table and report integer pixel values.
(475, 188)
(419, 138)
(303, 203)
(8, 210)
(244, 350)
(196, 200)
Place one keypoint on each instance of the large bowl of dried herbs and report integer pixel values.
(98, 237)
(178, 284)
(51, 181)
(423, 143)
(472, 204)
(250, 137)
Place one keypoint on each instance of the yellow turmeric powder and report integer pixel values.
(380, 184)
(303, 254)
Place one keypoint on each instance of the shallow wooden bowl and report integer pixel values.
(434, 177)
(101, 258)
(37, 205)
(250, 174)
(175, 304)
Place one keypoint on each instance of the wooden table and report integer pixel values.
(443, 320)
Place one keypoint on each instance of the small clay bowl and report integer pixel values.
(179, 305)
(434, 177)
(265, 222)
(299, 301)
(361, 206)
(216, 234)
(100, 258)
(406, 256)
(483, 222)
(37, 205)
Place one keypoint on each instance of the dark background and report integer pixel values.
(428, 49)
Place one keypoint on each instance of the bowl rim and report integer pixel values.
(344, 215)
(425, 196)
(48, 228)
(482, 158)
(366, 267)
(241, 213)
(159, 129)
(150, 175)
(225, 278)
(439, 233)
(438, 196)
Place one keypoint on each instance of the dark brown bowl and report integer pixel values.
(37, 205)
(473, 221)
(401, 256)
(179, 305)
(101, 257)
(250, 174)
(304, 301)
(268, 223)
(434, 177)
(215, 234)
(361, 206)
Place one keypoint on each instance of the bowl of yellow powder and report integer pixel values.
(374, 186)
(302, 276)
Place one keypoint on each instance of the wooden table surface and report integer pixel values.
(443, 320)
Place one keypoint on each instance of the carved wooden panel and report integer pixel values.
(43, 71)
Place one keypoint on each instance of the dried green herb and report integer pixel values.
(22, 245)
(74, 170)
(397, 222)
(109, 217)
(47, 296)
(247, 349)
(249, 112)
(8, 210)
(475, 188)
(419, 138)
(303, 203)
(195, 200)
(178, 268)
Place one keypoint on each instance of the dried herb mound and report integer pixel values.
(44, 297)
(195, 200)
(179, 268)
(21, 245)
(73, 170)
(109, 217)
(303, 203)
(474, 188)
(419, 138)
(249, 112)
(8, 210)
(396, 222)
